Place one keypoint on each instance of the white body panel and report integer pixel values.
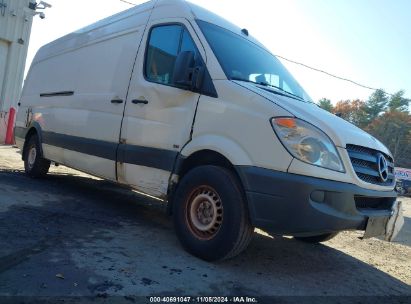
(105, 61)
(237, 126)
(146, 180)
(165, 122)
(84, 162)
(94, 63)
(341, 131)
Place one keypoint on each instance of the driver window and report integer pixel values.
(162, 53)
(165, 43)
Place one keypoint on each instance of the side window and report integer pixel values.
(165, 43)
(162, 53)
(187, 43)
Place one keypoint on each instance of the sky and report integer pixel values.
(367, 41)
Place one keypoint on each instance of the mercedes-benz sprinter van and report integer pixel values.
(179, 104)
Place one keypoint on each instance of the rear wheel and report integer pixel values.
(211, 215)
(316, 238)
(34, 164)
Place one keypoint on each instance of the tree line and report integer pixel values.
(384, 116)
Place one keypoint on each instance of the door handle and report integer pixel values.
(140, 101)
(117, 101)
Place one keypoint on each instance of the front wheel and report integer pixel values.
(316, 238)
(34, 164)
(210, 214)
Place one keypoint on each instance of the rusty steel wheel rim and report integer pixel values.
(204, 212)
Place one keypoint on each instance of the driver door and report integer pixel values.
(158, 115)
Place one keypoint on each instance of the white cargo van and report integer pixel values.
(179, 104)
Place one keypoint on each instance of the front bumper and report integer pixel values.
(290, 204)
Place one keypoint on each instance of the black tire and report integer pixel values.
(316, 238)
(35, 165)
(222, 190)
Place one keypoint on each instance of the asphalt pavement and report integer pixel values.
(71, 235)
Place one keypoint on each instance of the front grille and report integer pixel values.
(365, 163)
(375, 203)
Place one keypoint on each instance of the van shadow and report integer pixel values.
(92, 228)
(316, 269)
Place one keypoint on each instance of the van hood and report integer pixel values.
(338, 129)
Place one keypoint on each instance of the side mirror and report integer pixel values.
(185, 74)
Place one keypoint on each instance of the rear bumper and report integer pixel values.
(290, 204)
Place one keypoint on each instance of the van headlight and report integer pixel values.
(307, 143)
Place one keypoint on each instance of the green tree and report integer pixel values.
(376, 104)
(386, 118)
(397, 102)
(393, 129)
(326, 104)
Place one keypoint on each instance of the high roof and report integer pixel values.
(131, 18)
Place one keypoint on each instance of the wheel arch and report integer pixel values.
(226, 147)
(202, 158)
(208, 150)
(33, 129)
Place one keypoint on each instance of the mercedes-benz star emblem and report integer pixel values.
(382, 167)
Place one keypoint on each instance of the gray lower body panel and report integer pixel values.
(290, 204)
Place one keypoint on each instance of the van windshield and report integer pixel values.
(244, 60)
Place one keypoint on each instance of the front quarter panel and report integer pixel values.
(237, 124)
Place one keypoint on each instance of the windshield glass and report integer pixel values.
(241, 59)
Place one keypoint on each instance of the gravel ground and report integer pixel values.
(73, 235)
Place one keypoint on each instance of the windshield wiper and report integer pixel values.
(247, 80)
(266, 84)
(281, 89)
